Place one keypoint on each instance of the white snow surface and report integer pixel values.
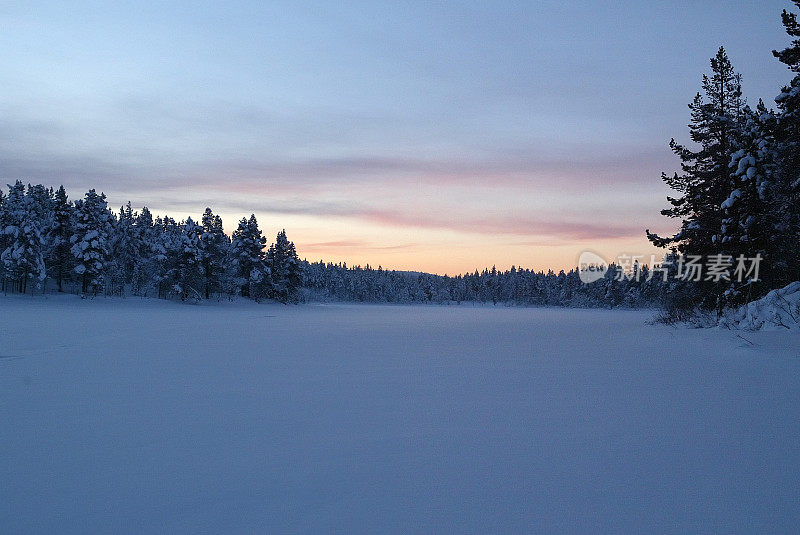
(144, 416)
(779, 309)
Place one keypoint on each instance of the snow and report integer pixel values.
(137, 416)
(730, 201)
(745, 163)
(779, 309)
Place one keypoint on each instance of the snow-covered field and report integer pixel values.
(146, 416)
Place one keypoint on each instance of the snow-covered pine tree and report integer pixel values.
(787, 135)
(704, 184)
(284, 264)
(247, 253)
(23, 254)
(60, 261)
(124, 251)
(214, 245)
(42, 202)
(5, 239)
(146, 238)
(167, 249)
(93, 225)
(752, 218)
(186, 275)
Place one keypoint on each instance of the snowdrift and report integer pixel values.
(779, 309)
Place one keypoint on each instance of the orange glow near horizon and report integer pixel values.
(359, 242)
(425, 225)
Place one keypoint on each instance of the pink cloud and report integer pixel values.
(353, 244)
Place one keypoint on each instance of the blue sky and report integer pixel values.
(437, 136)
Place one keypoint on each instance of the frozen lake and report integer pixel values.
(147, 416)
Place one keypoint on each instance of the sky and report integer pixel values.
(427, 136)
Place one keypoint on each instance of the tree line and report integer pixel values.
(82, 246)
(633, 288)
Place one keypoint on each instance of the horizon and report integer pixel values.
(419, 138)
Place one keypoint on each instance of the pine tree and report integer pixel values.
(125, 250)
(60, 261)
(167, 248)
(284, 264)
(186, 272)
(23, 255)
(5, 238)
(91, 240)
(704, 184)
(146, 266)
(247, 252)
(787, 134)
(214, 245)
(752, 217)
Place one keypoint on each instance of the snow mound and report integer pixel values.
(779, 309)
